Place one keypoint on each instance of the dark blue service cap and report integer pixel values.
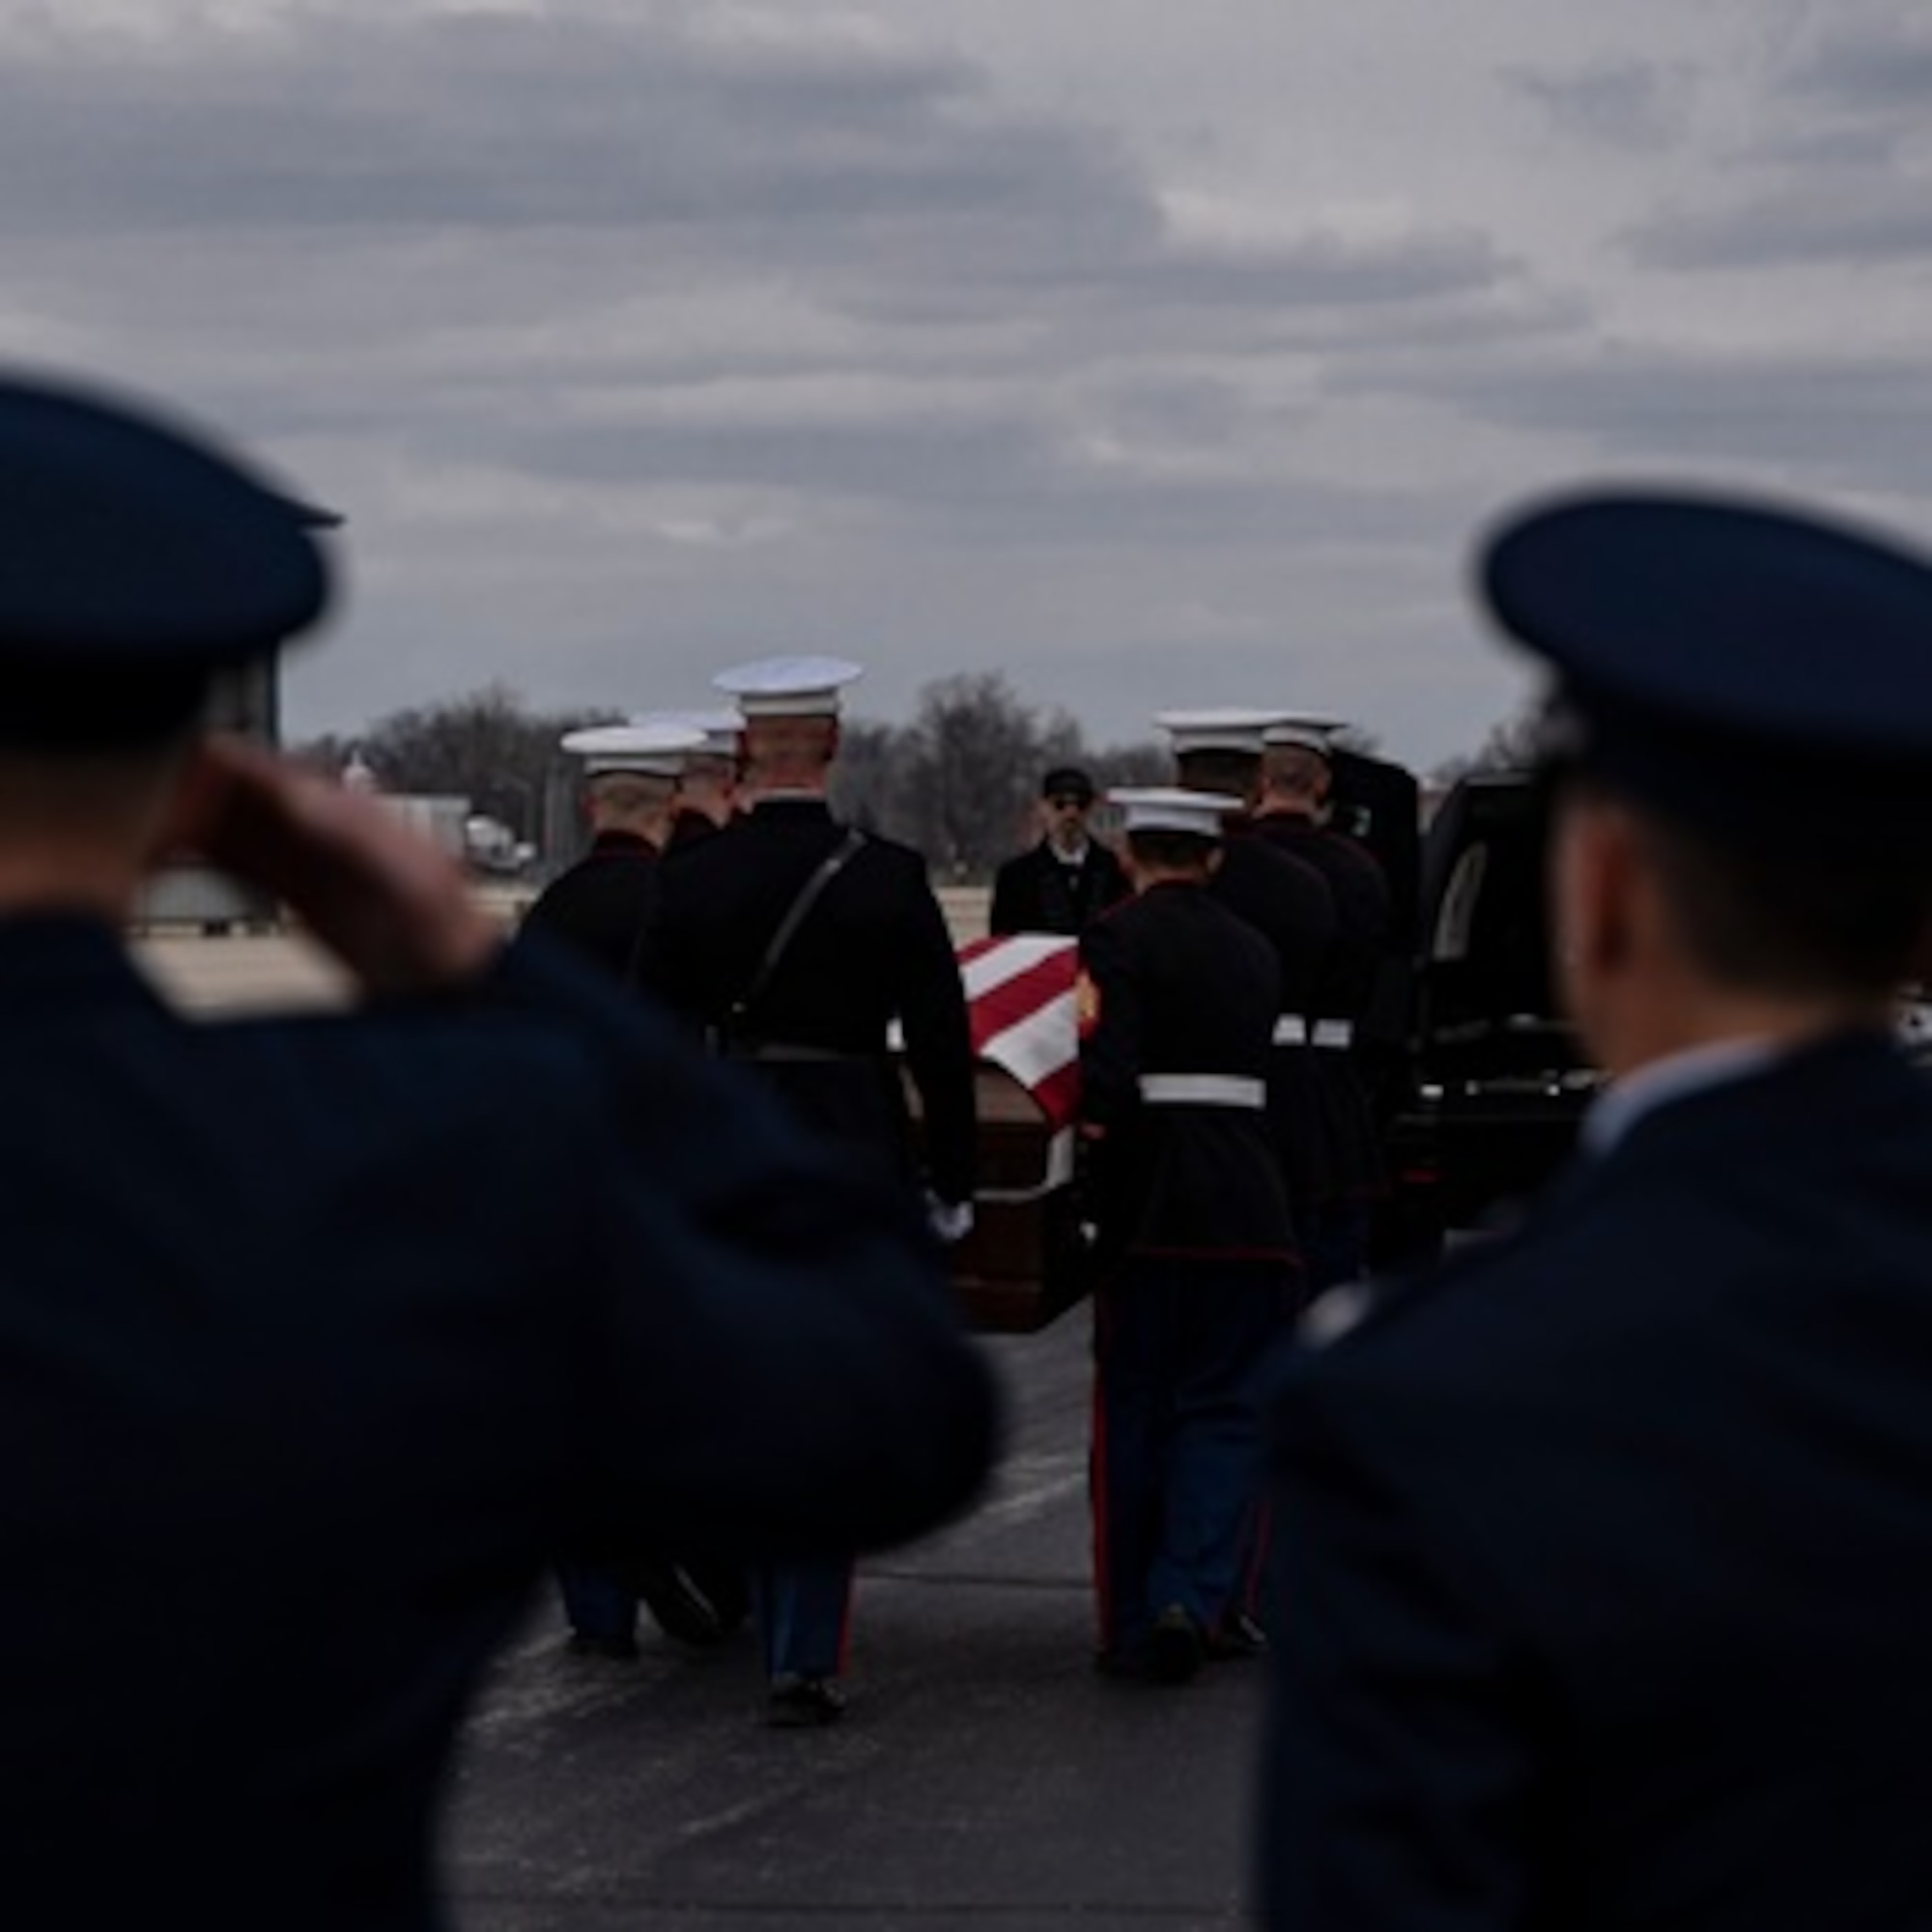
(137, 560)
(1068, 781)
(1756, 672)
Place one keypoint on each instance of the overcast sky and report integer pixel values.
(1152, 352)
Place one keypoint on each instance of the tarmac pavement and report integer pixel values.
(984, 1774)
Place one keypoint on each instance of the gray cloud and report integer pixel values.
(1878, 66)
(890, 165)
(962, 460)
(1809, 418)
(1320, 273)
(1837, 172)
(498, 121)
(1619, 103)
(1801, 149)
(1858, 217)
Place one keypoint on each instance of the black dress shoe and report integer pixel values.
(1238, 1637)
(804, 1703)
(1174, 1646)
(698, 1603)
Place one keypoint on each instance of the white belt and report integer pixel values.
(1203, 1090)
(1340, 1033)
(1291, 1030)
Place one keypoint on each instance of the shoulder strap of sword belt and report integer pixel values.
(796, 914)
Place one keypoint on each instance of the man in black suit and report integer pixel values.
(1610, 1563)
(314, 1329)
(794, 943)
(1068, 880)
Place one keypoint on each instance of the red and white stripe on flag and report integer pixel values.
(1020, 1004)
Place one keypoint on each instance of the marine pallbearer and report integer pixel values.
(1292, 818)
(636, 779)
(1288, 903)
(631, 775)
(707, 786)
(1196, 1267)
(793, 944)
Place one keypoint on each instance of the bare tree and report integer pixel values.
(958, 782)
(1120, 766)
(485, 747)
(972, 761)
(1510, 746)
(868, 782)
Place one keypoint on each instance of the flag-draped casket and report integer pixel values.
(1025, 1261)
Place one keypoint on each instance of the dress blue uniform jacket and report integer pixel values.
(314, 1329)
(599, 904)
(1288, 903)
(1606, 1555)
(873, 948)
(1343, 987)
(1179, 984)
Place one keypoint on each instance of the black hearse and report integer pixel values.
(1494, 1083)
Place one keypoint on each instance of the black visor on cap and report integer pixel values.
(1068, 781)
(1752, 670)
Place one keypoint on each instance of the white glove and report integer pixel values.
(950, 1221)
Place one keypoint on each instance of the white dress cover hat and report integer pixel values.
(1223, 729)
(1170, 809)
(655, 749)
(805, 687)
(1311, 733)
(719, 729)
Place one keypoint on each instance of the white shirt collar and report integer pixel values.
(1618, 1108)
(1070, 859)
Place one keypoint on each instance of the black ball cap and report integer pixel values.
(137, 560)
(1745, 666)
(1068, 781)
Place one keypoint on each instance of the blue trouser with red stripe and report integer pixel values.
(1178, 1348)
(596, 1602)
(1334, 1249)
(804, 1615)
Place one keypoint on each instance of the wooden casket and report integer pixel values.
(1026, 1261)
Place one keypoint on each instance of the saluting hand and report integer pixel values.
(389, 903)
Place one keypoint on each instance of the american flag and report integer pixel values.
(1021, 1006)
